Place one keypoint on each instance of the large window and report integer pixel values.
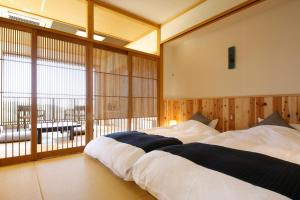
(15, 99)
(46, 94)
(61, 93)
(110, 92)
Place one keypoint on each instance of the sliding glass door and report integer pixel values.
(144, 93)
(49, 82)
(125, 92)
(61, 94)
(110, 92)
(15, 90)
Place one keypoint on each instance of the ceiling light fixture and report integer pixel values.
(25, 17)
(84, 34)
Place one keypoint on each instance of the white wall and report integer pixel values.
(204, 11)
(267, 41)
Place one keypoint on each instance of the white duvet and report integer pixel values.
(120, 157)
(171, 177)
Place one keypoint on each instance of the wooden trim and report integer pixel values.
(15, 160)
(217, 97)
(127, 13)
(7, 24)
(184, 11)
(34, 94)
(89, 93)
(42, 155)
(89, 73)
(214, 19)
(60, 152)
(90, 19)
(160, 90)
(129, 117)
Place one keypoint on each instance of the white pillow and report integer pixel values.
(296, 126)
(213, 123)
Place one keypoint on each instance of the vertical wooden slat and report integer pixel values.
(130, 100)
(259, 107)
(293, 109)
(277, 104)
(231, 112)
(241, 112)
(189, 109)
(285, 108)
(251, 119)
(298, 110)
(160, 85)
(225, 114)
(268, 106)
(34, 95)
(89, 93)
(219, 114)
(89, 72)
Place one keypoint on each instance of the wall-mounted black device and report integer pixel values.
(231, 57)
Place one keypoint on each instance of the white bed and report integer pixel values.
(120, 157)
(170, 177)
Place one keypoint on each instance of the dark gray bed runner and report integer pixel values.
(258, 169)
(144, 141)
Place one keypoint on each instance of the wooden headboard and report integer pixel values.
(233, 112)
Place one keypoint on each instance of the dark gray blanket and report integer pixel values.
(144, 141)
(258, 169)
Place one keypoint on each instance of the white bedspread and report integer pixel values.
(171, 177)
(187, 132)
(120, 157)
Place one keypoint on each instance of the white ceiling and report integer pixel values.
(158, 11)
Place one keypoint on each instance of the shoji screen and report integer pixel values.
(15, 99)
(110, 92)
(144, 93)
(61, 94)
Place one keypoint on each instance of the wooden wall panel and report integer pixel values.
(242, 106)
(225, 124)
(251, 115)
(234, 113)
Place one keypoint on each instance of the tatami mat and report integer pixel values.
(19, 182)
(75, 177)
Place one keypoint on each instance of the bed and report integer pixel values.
(119, 151)
(262, 162)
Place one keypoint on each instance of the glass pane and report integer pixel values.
(110, 92)
(15, 117)
(144, 93)
(61, 93)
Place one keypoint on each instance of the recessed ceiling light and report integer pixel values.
(84, 34)
(99, 37)
(81, 33)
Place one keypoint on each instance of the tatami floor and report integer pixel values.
(75, 177)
